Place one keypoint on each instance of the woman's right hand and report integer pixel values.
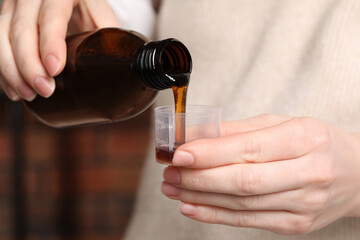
(32, 41)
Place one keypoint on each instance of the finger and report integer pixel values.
(6, 11)
(25, 45)
(287, 140)
(7, 7)
(12, 82)
(282, 222)
(10, 78)
(284, 201)
(194, 132)
(294, 201)
(251, 124)
(9, 91)
(101, 14)
(241, 179)
(53, 21)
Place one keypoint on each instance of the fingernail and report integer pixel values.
(52, 65)
(26, 91)
(11, 93)
(182, 158)
(169, 189)
(187, 209)
(172, 175)
(44, 87)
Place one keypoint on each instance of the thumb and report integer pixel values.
(53, 20)
(252, 124)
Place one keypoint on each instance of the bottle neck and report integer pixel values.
(163, 64)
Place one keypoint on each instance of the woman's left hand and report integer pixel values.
(278, 173)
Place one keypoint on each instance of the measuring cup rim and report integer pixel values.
(198, 110)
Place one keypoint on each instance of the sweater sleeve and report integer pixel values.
(137, 15)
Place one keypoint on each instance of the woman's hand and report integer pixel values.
(286, 175)
(32, 41)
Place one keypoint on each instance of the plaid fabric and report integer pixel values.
(72, 183)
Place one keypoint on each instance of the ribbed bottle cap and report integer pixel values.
(163, 64)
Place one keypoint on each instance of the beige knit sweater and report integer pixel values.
(251, 57)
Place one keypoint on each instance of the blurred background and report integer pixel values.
(77, 183)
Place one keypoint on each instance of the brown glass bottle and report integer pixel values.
(112, 75)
